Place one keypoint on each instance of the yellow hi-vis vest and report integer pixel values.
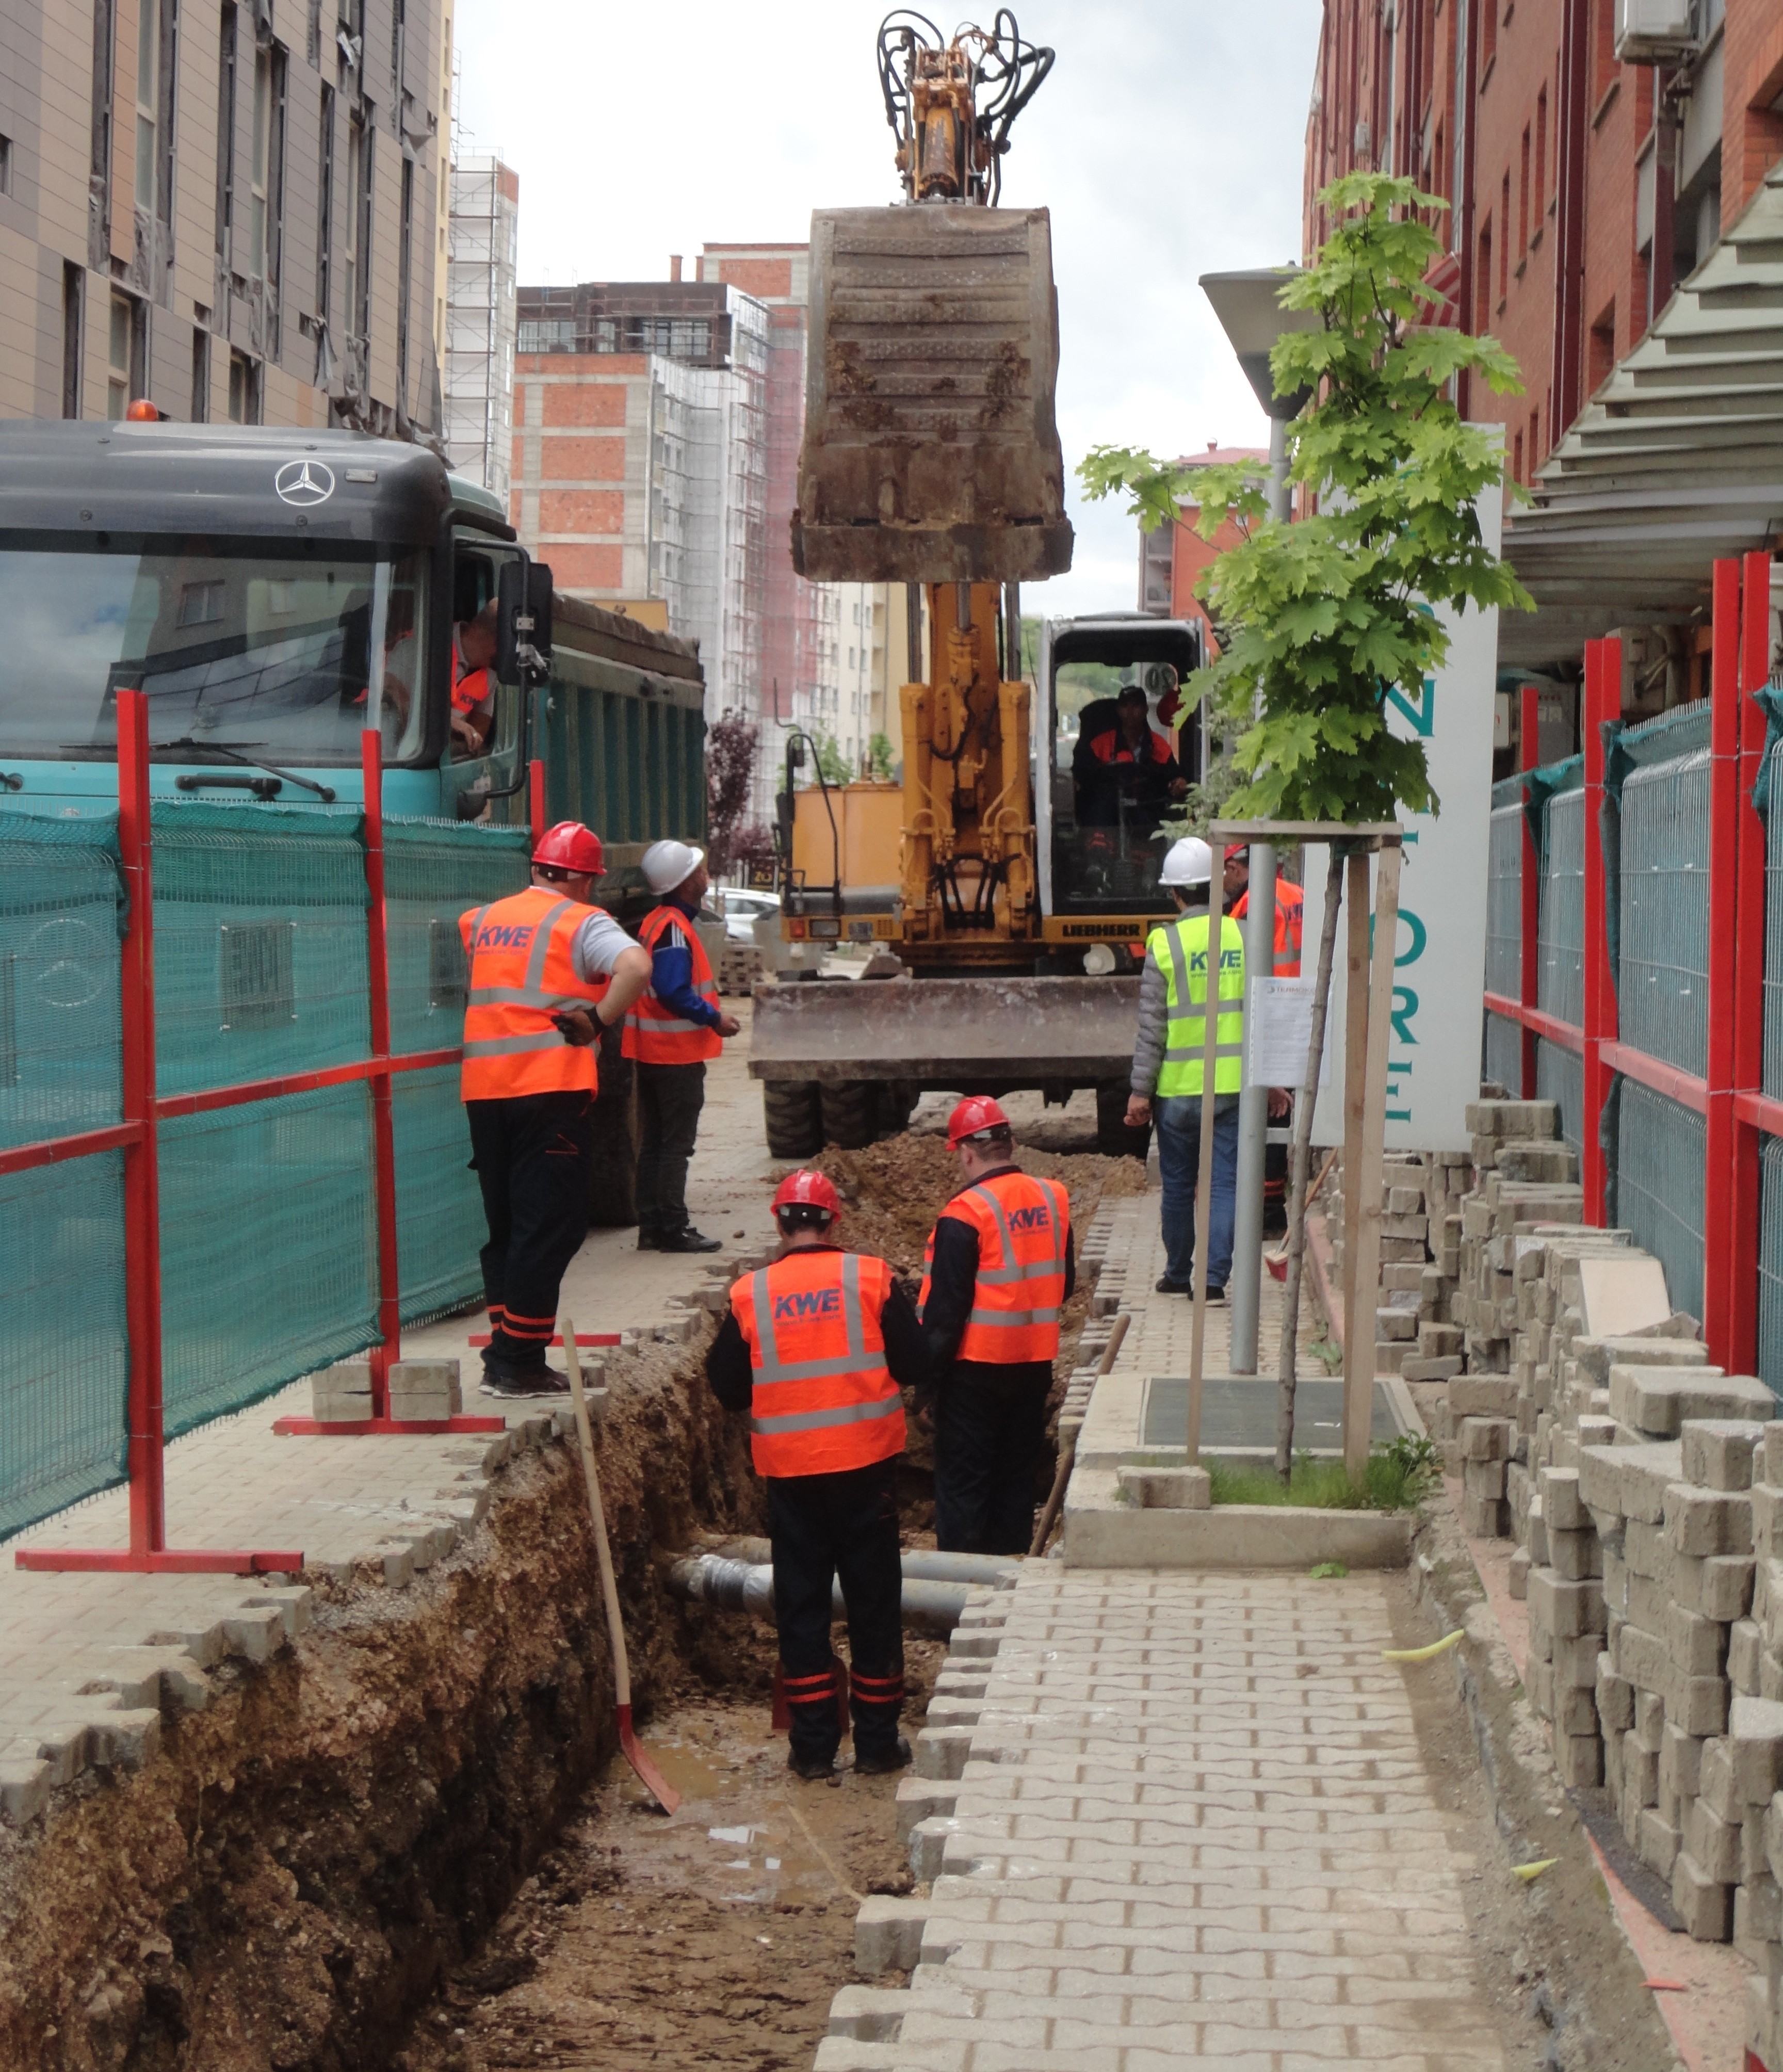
(1180, 952)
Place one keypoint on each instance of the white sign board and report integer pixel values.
(1278, 1032)
(1433, 1052)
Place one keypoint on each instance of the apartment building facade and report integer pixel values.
(232, 210)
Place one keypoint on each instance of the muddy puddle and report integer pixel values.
(716, 1937)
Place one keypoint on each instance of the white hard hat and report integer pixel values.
(1190, 862)
(668, 864)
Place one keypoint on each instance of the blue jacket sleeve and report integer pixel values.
(672, 980)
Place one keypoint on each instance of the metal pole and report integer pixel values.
(1259, 960)
(383, 1148)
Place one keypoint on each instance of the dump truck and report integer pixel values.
(1033, 811)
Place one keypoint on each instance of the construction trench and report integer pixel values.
(404, 1841)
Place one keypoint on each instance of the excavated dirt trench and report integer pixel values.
(402, 1843)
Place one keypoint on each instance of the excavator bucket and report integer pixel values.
(931, 450)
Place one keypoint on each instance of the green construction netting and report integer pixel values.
(268, 1222)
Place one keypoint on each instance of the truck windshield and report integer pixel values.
(263, 653)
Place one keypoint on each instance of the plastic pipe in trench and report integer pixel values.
(936, 1586)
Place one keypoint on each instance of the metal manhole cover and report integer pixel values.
(1238, 1412)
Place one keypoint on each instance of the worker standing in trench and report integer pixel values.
(546, 968)
(1000, 1268)
(814, 1347)
(671, 1030)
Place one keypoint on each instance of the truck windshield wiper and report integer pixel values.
(322, 791)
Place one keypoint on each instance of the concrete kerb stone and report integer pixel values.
(888, 1935)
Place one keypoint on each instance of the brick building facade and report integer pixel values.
(1172, 562)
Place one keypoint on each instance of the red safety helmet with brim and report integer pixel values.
(570, 846)
(808, 1190)
(974, 1116)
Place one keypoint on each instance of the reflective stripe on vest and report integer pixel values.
(832, 1405)
(653, 1034)
(520, 951)
(1179, 950)
(1020, 1291)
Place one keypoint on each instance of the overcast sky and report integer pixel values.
(1167, 143)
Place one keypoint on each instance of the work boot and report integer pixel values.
(1167, 1286)
(687, 1239)
(648, 1239)
(522, 1384)
(881, 1762)
(813, 1769)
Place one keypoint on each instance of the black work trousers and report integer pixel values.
(534, 1156)
(670, 1098)
(826, 1528)
(990, 1427)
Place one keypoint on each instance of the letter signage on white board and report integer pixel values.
(1433, 1051)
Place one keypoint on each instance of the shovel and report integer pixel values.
(1276, 1260)
(630, 1746)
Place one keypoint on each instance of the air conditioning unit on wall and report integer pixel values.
(1656, 31)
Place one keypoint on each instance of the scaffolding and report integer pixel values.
(480, 322)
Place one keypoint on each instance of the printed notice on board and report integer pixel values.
(1280, 1028)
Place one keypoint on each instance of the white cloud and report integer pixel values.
(1167, 143)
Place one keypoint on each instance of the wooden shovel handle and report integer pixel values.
(609, 1589)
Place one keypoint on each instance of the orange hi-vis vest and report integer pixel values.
(656, 1034)
(1290, 913)
(1023, 1224)
(522, 972)
(824, 1399)
(470, 688)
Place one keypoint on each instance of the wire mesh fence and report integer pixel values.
(1661, 1149)
(1770, 1264)
(1773, 930)
(268, 1228)
(1504, 954)
(1560, 980)
(1502, 1063)
(1662, 979)
(1560, 1078)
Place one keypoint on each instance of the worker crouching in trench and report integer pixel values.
(815, 1347)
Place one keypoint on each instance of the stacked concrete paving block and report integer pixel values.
(1418, 1190)
(1754, 1673)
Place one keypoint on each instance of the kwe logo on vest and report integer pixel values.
(816, 1302)
(500, 937)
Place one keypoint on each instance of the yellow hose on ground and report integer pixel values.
(1423, 1653)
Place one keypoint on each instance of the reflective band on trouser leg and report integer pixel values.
(876, 1703)
(521, 954)
(653, 1034)
(1023, 1226)
(824, 1399)
(1180, 952)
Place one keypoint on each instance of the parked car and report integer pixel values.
(743, 909)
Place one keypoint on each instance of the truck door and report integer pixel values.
(484, 739)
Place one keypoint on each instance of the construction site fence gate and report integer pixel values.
(1634, 969)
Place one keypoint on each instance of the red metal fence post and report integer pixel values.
(1529, 751)
(1718, 1292)
(1603, 702)
(1741, 1272)
(384, 1141)
(535, 800)
(142, 1169)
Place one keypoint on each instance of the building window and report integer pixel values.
(405, 241)
(245, 395)
(325, 204)
(1484, 274)
(357, 257)
(226, 141)
(554, 338)
(1517, 459)
(1534, 441)
(6, 165)
(1541, 157)
(201, 374)
(1522, 198)
(1600, 350)
(73, 288)
(126, 341)
(148, 92)
(259, 164)
(1504, 242)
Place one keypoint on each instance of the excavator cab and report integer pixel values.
(931, 450)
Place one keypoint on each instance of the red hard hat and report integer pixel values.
(976, 1113)
(809, 1190)
(570, 846)
(1237, 848)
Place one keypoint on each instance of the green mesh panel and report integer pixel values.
(433, 871)
(60, 916)
(268, 1247)
(1661, 976)
(1560, 1078)
(64, 1367)
(1661, 1152)
(260, 951)
(1770, 1264)
(440, 1227)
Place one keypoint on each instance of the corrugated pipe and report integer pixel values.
(732, 1585)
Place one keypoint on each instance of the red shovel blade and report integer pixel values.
(1277, 1267)
(638, 1756)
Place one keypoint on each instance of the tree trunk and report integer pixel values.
(1302, 1157)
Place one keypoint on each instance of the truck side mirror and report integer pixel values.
(510, 602)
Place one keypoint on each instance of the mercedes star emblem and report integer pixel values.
(305, 482)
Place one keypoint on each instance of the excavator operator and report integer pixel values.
(1122, 761)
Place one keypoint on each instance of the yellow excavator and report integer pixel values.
(1028, 842)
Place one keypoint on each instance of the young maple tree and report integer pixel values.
(1324, 618)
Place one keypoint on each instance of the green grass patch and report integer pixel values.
(1395, 1478)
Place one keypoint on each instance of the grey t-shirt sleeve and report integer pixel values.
(600, 943)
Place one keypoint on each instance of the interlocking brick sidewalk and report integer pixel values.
(1194, 1827)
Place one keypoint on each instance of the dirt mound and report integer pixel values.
(895, 1189)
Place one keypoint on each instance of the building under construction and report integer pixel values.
(481, 321)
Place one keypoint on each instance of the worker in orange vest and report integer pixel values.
(1290, 908)
(1000, 1267)
(814, 1347)
(548, 971)
(473, 644)
(671, 1030)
